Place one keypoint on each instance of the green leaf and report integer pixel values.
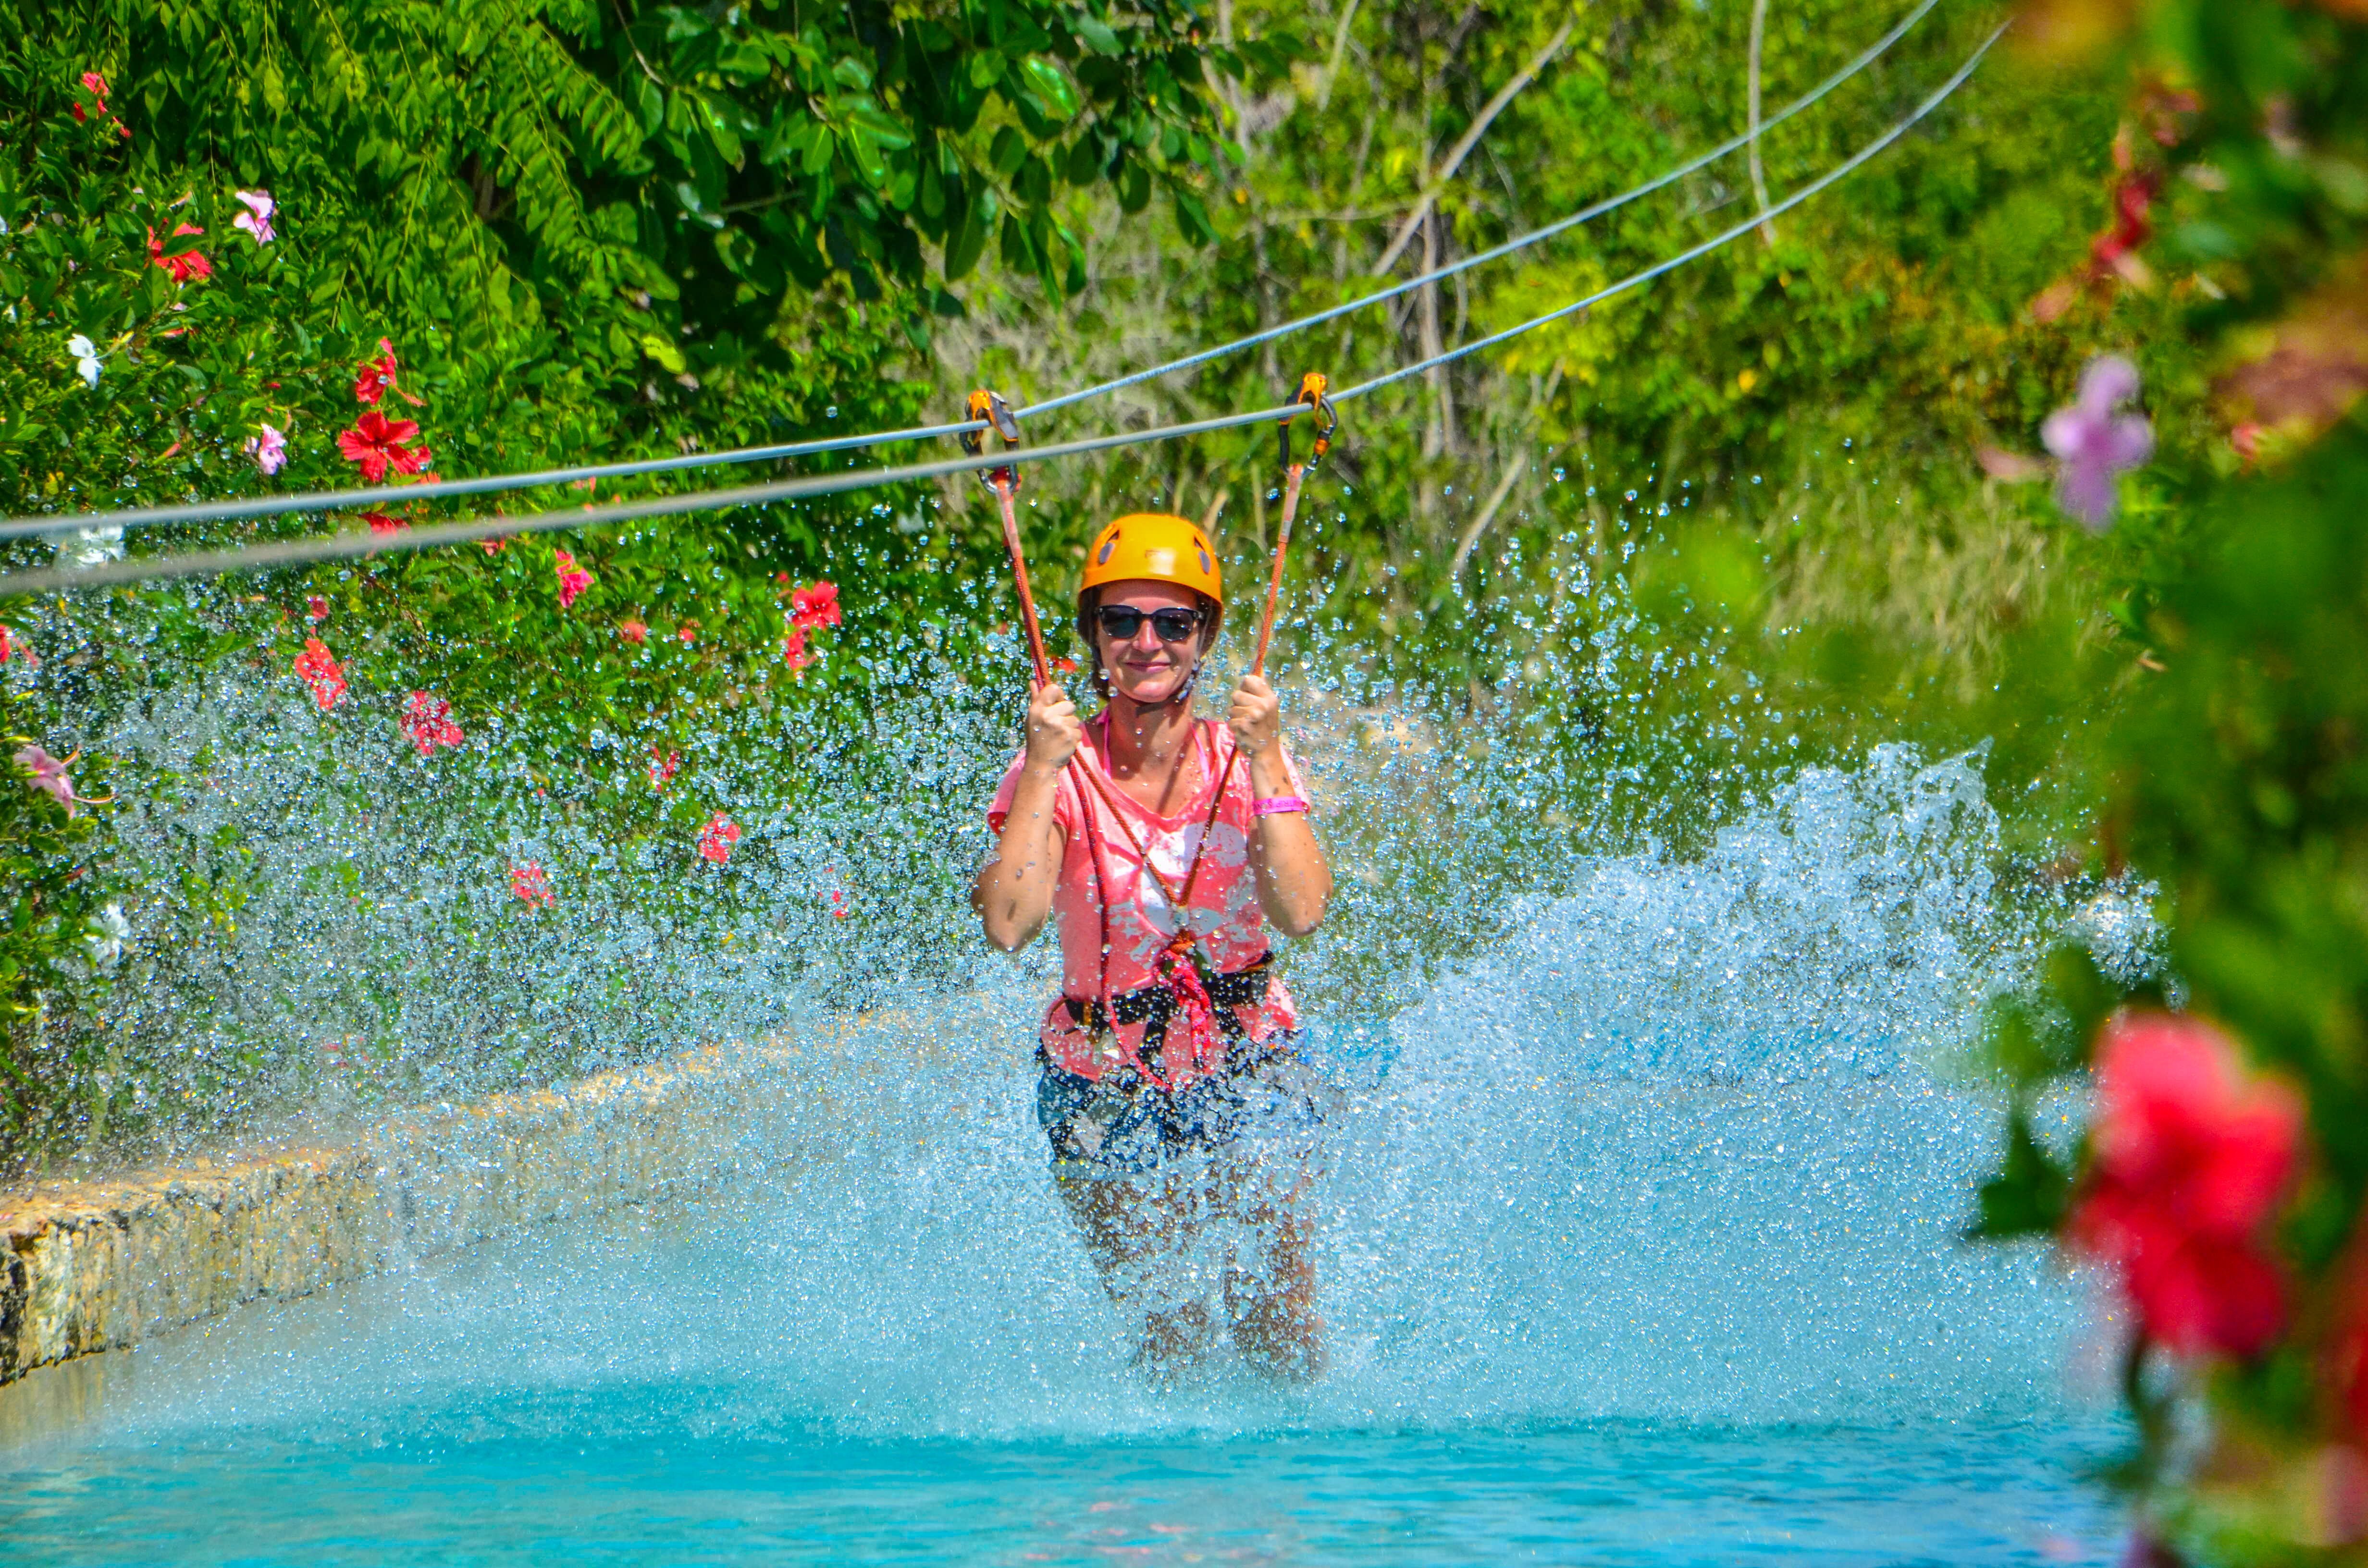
(2030, 1194)
(660, 349)
(1096, 35)
(1193, 219)
(1051, 86)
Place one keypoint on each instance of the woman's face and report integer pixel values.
(1142, 668)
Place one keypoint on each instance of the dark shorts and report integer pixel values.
(1122, 1125)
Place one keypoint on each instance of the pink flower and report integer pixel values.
(793, 650)
(95, 84)
(319, 670)
(379, 523)
(716, 839)
(634, 631)
(530, 886)
(316, 608)
(269, 449)
(428, 723)
(8, 644)
(688, 632)
(14, 647)
(256, 219)
(182, 267)
(572, 579)
(663, 764)
(49, 775)
(814, 606)
(2095, 444)
(376, 441)
(2190, 1157)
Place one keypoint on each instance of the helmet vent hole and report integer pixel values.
(1108, 545)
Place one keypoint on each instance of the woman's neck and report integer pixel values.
(1145, 740)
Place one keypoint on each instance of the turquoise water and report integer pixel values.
(1640, 1243)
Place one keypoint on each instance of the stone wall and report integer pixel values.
(100, 1264)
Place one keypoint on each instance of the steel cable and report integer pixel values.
(356, 499)
(349, 545)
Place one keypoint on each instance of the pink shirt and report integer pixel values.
(1223, 908)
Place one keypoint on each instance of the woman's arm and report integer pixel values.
(1013, 894)
(1294, 880)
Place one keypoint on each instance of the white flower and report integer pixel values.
(92, 547)
(85, 354)
(106, 933)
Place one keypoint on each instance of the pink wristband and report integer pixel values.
(1272, 805)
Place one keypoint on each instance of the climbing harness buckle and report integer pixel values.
(988, 407)
(1314, 391)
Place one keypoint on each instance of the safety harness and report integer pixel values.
(1189, 986)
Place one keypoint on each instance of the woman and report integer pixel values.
(1172, 1092)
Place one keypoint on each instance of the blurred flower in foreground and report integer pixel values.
(49, 775)
(269, 449)
(256, 219)
(716, 839)
(530, 886)
(428, 723)
(572, 579)
(318, 669)
(2190, 1155)
(2096, 444)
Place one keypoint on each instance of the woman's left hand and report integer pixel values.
(1255, 717)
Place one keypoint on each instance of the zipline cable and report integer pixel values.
(385, 495)
(349, 545)
(1561, 225)
(1673, 263)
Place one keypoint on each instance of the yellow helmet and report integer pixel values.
(1157, 546)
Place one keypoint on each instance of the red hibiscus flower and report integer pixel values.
(316, 608)
(2190, 1156)
(663, 764)
(572, 579)
(319, 670)
(716, 839)
(379, 523)
(814, 605)
(184, 266)
(372, 377)
(687, 631)
(428, 723)
(8, 644)
(530, 886)
(794, 651)
(635, 632)
(377, 442)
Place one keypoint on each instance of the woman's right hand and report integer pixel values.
(1054, 730)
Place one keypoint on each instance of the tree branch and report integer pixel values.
(1758, 179)
(1471, 138)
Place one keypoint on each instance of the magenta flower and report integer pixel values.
(572, 579)
(428, 723)
(256, 219)
(269, 449)
(2095, 444)
(49, 775)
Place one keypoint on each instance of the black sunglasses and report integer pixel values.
(1123, 621)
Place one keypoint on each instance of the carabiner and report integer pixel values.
(1315, 389)
(988, 407)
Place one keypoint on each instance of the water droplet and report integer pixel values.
(831, 413)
